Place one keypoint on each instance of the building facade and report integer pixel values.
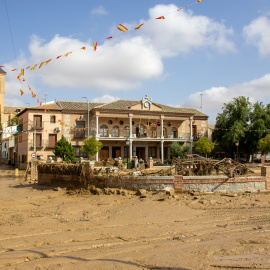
(126, 128)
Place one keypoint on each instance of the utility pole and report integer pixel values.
(35, 137)
(87, 117)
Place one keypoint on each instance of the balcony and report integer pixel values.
(39, 126)
(38, 145)
(79, 134)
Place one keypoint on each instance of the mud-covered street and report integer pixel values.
(45, 228)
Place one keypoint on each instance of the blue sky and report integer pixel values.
(217, 48)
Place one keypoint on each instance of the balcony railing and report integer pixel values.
(38, 145)
(182, 136)
(79, 134)
(38, 126)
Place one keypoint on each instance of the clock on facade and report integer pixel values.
(146, 104)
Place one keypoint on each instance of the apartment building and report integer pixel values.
(126, 128)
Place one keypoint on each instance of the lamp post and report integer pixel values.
(237, 144)
(87, 117)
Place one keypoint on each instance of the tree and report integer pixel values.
(14, 121)
(177, 150)
(64, 150)
(91, 146)
(264, 144)
(202, 146)
(232, 124)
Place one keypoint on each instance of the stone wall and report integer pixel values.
(221, 184)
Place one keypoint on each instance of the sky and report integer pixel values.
(200, 57)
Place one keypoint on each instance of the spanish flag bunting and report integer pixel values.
(32, 92)
(160, 18)
(137, 27)
(40, 103)
(122, 28)
(22, 72)
(29, 87)
(109, 37)
(2, 66)
(14, 69)
(19, 77)
(58, 56)
(34, 67)
(67, 54)
(38, 100)
(83, 48)
(24, 79)
(28, 67)
(95, 46)
(48, 61)
(40, 66)
(34, 95)
(21, 92)
(200, 1)
(181, 8)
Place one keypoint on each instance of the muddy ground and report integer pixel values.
(42, 228)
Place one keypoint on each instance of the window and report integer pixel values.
(78, 152)
(139, 130)
(103, 131)
(24, 158)
(153, 132)
(121, 122)
(39, 140)
(53, 119)
(164, 132)
(52, 140)
(115, 131)
(126, 131)
(38, 121)
(174, 132)
(79, 131)
(110, 122)
(152, 151)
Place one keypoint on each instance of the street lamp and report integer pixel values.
(87, 117)
(237, 144)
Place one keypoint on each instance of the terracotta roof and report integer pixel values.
(126, 104)
(2, 71)
(77, 105)
(10, 109)
(50, 106)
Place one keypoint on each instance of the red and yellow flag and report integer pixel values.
(28, 67)
(109, 37)
(14, 69)
(160, 18)
(34, 67)
(67, 54)
(83, 48)
(95, 46)
(137, 27)
(19, 77)
(41, 64)
(34, 95)
(58, 56)
(2, 66)
(21, 92)
(122, 28)
(38, 100)
(200, 0)
(22, 72)
(48, 61)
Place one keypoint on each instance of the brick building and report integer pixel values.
(126, 128)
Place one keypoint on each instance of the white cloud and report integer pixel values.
(100, 10)
(215, 97)
(257, 33)
(183, 31)
(105, 99)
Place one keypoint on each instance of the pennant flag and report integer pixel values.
(21, 92)
(40, 103)
(109, 37)
(22, 72)
(19, 77)
(200, 1)
(14, 69)
(28, 67)
(67, 54)
(58, 56)
(181, 8)
(122, 28)
(83, 48)
(32, 92)
(38, 100)
(40, 66)
(95, 46)
(24, 79)
(137, 27)
(160, 18)
(2, 66)
(34, 67)
(29, 87)
(34, 95)
(48, 61)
